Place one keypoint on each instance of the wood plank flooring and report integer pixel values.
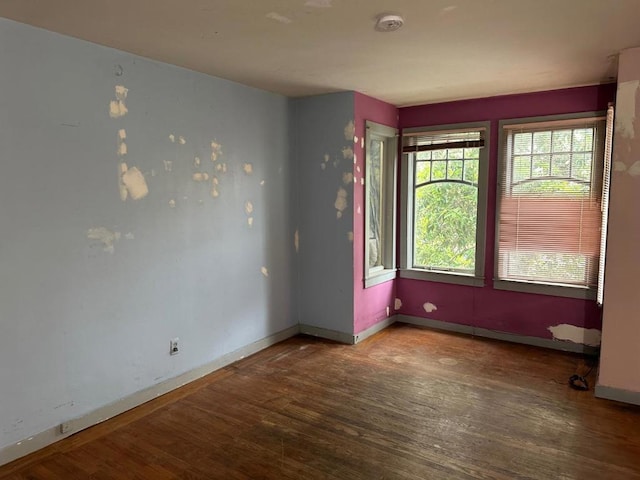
(408, 403)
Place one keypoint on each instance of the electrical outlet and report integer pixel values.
(174, 346)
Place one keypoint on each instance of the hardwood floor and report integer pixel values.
(409, 403)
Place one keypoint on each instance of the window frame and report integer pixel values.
(525, 286)
(407, 270)
(389, 158)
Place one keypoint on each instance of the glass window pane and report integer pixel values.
(471, 168)
(542, 142)
(423, 170)
(423, 155)
(438, 170)
(456, 153)
(581, 168)
(455, 170)
(583, 139)
(522, 143)
(445, 216)
(521, 168)
(541, 165)
(375, 177)
(562, 141)
(560, 165)
(439, 154)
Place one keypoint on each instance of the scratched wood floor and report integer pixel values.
(409, 403)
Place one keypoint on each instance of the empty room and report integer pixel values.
(319, 239)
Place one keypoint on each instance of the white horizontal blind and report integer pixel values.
(550, 202)
(606, 185)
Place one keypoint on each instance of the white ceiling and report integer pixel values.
(447, 49)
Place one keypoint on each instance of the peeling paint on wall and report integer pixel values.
(634, 170)
(196, 162)
(626, 108)
(136, 185)
(250, 222)
(248, 168)
(200, 177)
(122, 149)
(124, 193)
(571, 333)
(264, 271)
(168, 165)
(341, 201)
(172, 138)
(248, 207)
(350, 130)
(429, 307)
(172, 203)
(397, 304)
(278, 18)
(122, 134)
(350, 236)
(262, 183)
(347, 178)
(105, 236)
(347, 152)
(216, 150)
(296, 240)
(182, 140)
(117, 107)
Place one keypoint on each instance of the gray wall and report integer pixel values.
(83, 324)
(325, 257)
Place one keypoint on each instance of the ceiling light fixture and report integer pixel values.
(389, 23)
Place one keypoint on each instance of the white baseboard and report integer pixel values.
(54, 434)
(617, 394)
(372, 330)
(509, 337)
(334, 335)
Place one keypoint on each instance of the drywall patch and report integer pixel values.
(626, 108)
(117, 107)
(397, 304)
(571, 333)
(619, 167)
(105, 236)
(278, 18)
(341, 202)
(429, 307)
(136, 185)
(350, 130)
(347, 153)
(634, 170)
(216, 150)
(296, 240)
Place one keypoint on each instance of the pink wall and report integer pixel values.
(518, 313)
(620, 355)
(370, 305)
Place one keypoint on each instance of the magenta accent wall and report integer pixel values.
(484, 307)
(370, 305)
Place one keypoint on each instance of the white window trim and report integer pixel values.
(553, 289)
(406, 206)
(387, 271)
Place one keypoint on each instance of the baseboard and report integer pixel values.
(509, 337)
(617, 394)
(52, 435)
(372, 330)
(334, 335)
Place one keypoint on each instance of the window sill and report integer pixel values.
(381, 276)
(568, 291)
(443, 277)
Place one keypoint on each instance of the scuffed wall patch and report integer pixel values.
(341, 202)
(136, 185)
(105, 236)
(626, 108)
(429, 307)
(118, 107)
(397, 305)
(586, 336)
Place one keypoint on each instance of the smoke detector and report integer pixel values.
(389, 23)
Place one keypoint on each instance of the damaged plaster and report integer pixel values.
(626, 108)
(429, 307)
(571, 333)
(105, 236)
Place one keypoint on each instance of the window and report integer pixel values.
(381, 153)
(549, 205)
(444, 203)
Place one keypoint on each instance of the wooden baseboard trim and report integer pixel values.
(372, 330)
(617, 394)
(509, 337)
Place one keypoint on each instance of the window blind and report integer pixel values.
(427, 141)
(606, 184)
(550, 199)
